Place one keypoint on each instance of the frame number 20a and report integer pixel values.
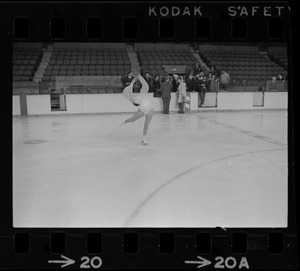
(220, 262)
(231, 262)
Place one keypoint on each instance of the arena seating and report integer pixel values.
(278, 55)
(249, 65)
(25, 63)
(153, 60)
(87, 62)
(281, 59)
(245, 64)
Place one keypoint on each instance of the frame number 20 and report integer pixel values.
(94, 262)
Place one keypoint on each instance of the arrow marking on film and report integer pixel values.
(201, 263)
(66, 262)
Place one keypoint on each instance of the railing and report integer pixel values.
(256, 86)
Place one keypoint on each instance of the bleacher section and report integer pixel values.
(278, 55)
(246, 63)
(25, 63)
(153, 56)
(153, 60)
(87, 62)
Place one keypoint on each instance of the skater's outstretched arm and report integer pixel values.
(145, 86)
(127, 92)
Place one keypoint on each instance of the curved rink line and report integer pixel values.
(170, 181)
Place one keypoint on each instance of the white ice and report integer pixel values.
(202, 169)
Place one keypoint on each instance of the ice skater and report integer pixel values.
(142, 101)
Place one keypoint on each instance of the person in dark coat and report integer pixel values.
(198, 79)
(149, 81)
(166, 89)
(203, 89)
(191, 83)
(156, 86)
(196, 68)
(126, 80)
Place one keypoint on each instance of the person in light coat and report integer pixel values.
(181, 95)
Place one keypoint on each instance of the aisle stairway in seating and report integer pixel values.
(135, 65)
(44, 63)
(199, 59)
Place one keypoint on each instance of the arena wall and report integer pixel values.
(16, 108)
(114, 103)
(235, 100)
(276, 100)
(38, 104)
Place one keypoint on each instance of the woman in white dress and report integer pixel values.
(142, 101)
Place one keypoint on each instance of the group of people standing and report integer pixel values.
(195, 80)
(169, 84)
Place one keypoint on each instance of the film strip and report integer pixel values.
(188, 241)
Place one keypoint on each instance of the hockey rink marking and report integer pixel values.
(161, 187)
(250, 133)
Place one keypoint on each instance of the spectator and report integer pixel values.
(213, 72)
(181, 95)
(187, 73)
(148, 79)
(260, 88)
(224, 80)
(191, 83)
(136, 86)
(203, 84)
(196, 69)
(280, 77)
(175, 82)
(156, 86)
(272, 85)
(126, 80)
(166, 89)
(209, 83)
(199, 78)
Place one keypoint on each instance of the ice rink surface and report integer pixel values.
(200, 169)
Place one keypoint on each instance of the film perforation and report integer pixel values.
(167, 28)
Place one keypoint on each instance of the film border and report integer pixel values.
(184, 253)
